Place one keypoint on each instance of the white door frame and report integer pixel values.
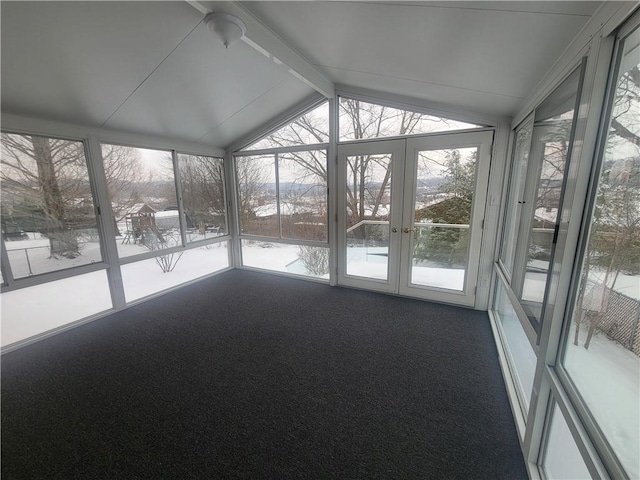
(396, 148)
(401, 216)
(483, 142)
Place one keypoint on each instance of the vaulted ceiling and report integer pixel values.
(153, 67)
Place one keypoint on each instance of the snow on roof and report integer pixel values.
(140, 208)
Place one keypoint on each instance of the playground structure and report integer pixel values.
(141, 225)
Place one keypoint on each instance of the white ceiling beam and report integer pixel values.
(267, 42)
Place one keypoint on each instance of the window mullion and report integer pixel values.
(276, 164)
(178, 185)
(106, 222)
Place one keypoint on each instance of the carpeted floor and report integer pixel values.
(253, 376)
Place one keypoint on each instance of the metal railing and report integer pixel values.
(26, 255)
(416, 224)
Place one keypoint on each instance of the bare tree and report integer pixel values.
(127, 183)
(202, 181)
(368, 176)
(614, 243)
(48, 179)
(253, 175)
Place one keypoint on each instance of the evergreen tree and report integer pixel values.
(448, 245)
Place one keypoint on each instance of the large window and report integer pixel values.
(283, 195)
(602, 352)
(141, 186)
(360, 120)
(541, 156)
(567, 303)
(48, 216)
(282, 198)
(50, 225)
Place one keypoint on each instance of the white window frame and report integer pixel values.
(551, 383)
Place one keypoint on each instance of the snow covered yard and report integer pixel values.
(31, 256)
(608, 378)
(33, 310)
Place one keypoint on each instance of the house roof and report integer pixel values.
(153, 68)
(140, 208)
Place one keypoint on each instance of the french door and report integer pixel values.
(410, 215)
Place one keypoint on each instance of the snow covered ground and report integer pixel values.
(367, 262)
(562, 457)
(277, 257)
(608, 378)
(31, 256)
(33, 310)
(145, 278)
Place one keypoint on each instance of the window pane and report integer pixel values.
(141, 186)
(258, 201)
(562, 459)
(550, 147)
(360, 120)
(445, 185)
(304, 260)
(203, 199)
(154, 275)
(48, 216)
(368, 207)
(302, 178)
(517, 184)
(34, 310)
(522, 357)
(602, 354)
(308, 129)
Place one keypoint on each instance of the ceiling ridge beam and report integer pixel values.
(268, 43)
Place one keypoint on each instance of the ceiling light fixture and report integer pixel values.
(226, 27)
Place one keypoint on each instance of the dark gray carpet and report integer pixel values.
(248, 375)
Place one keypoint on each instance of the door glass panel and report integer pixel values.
(550, 149)
(516, 195)
(602, 352)
(48, 217)
(443, 205)
(368, 208)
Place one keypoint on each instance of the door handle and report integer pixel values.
(407, 230)
(394, 230)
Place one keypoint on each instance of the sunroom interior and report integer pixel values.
(478, 154)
